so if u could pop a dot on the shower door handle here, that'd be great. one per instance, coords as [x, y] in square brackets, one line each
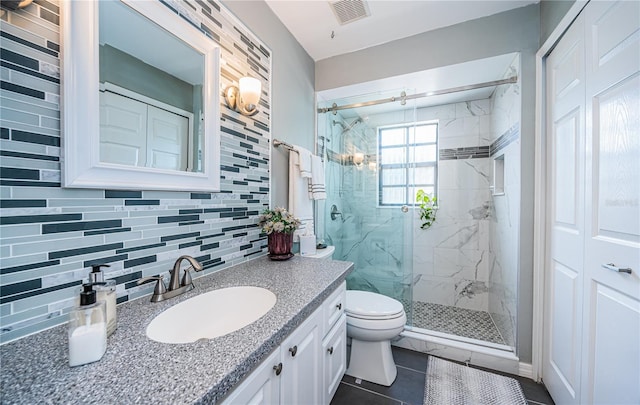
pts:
[405, 209]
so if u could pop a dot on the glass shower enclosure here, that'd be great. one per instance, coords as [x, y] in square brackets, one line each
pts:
[367, 214]
[458, 279]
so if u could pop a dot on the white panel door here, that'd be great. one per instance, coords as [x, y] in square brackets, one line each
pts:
[123, 130]
[167, 135]
[565, 222]
[611, 347]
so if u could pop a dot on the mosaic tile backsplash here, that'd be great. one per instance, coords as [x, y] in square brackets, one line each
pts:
[50, 235]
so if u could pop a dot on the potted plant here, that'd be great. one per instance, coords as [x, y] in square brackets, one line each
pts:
[279, 226]
[428, 208]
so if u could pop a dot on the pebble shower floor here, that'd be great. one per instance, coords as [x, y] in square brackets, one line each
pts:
[456, 321]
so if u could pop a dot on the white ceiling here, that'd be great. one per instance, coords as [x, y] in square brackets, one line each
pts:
[312, 21]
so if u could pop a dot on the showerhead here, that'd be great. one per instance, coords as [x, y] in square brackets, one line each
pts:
[339, 123]
[345, 128]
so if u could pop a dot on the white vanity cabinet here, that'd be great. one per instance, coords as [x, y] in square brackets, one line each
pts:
[334, 342]
[301, 378]
[309, 364]
[262, 386]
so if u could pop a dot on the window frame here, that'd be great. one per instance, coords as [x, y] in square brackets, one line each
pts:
[409, 187]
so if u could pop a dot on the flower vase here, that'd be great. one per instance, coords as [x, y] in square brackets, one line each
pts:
[280, 245]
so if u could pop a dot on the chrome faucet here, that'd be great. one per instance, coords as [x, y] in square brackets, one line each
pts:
[176, 286]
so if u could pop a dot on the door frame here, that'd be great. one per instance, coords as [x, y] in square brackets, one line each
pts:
[540, 231]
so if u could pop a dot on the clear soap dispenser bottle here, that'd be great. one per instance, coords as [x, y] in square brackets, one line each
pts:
[106, 290]
[87, 329]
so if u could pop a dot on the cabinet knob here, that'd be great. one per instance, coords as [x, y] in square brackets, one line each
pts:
[339, 306]
[330, 350]
[293, 351]
[278, 368]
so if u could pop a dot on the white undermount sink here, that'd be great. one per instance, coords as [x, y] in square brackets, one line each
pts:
[212, 314]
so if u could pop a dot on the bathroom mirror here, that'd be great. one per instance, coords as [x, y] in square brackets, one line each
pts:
[140, 98]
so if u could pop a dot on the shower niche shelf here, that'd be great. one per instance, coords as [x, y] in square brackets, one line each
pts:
[498, 176]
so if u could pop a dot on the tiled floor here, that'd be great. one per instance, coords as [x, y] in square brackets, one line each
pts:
[408, 389]
[456, 321]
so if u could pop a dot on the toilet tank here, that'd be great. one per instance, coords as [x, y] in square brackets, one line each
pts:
[325, 253]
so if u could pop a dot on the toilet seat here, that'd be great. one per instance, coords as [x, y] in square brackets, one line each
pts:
[379, 325]
[371, 306]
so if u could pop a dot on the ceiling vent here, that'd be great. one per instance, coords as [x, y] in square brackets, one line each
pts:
[348, 11]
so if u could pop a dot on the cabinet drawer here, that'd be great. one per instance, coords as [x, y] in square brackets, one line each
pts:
[333, 308]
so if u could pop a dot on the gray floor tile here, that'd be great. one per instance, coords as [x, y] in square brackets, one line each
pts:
[410, 359]
[349, 395]
[408, 386]
[534, 391]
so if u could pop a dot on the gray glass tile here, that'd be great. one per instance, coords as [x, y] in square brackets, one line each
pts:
[32, 328]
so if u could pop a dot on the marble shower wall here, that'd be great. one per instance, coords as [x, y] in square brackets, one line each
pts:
[451, 258]
[504, 225]
[446, 264]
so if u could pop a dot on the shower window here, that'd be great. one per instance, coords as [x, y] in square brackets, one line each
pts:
[408, 161]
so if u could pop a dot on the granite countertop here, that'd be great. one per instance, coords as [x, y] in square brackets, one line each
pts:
[135, 369]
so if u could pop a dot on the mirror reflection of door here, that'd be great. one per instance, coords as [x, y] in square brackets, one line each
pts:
[136, 133]
[151, 93]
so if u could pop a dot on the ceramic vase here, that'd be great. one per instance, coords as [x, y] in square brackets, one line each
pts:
[280, 245]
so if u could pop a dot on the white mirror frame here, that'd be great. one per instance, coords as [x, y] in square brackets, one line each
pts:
[81, 107]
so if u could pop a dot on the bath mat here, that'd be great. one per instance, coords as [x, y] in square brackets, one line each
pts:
[455, 384]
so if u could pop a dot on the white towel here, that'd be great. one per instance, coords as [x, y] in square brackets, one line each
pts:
[299, 203]
[304, 161]
[316, 183]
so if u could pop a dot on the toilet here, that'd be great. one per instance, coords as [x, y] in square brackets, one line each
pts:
[372, 321]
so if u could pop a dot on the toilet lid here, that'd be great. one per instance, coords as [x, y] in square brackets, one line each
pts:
[368, 305]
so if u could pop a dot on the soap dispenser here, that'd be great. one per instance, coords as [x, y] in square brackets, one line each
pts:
[87, 329]
[106, 290]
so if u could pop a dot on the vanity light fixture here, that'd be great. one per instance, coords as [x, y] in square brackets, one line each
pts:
[245, 98]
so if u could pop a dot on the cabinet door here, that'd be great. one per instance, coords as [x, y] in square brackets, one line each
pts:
[301, 363]
[334, 358]
[262, 387]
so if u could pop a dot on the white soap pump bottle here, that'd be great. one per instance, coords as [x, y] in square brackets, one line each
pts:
[87, 329]
[106, 290]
